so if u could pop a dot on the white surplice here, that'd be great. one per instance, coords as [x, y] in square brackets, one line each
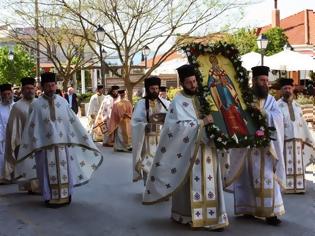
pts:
[103, 118]
[94, 106]
[187, 167]
[144, 142]
[256, 175]
[299, 144]
[65, 155]
[4, 116]
[16, 124]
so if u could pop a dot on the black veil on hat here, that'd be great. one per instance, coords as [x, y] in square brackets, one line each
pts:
[4, 87]
[185, 71]
[47, 77]
[28, 81]
[260, 70]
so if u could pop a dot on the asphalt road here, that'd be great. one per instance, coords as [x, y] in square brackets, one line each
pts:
[111, 205]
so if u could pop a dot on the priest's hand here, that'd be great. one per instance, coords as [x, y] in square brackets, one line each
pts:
[208, 120]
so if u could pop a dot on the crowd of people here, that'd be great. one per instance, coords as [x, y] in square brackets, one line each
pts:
[45, 148]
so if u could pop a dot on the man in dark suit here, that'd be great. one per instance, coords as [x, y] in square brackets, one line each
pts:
[71, 97]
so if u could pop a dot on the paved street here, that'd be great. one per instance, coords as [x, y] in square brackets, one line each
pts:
[111, 205]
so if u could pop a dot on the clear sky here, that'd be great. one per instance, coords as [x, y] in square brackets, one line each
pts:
[260, 14]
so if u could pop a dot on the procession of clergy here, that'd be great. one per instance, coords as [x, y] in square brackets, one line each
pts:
[45, 149]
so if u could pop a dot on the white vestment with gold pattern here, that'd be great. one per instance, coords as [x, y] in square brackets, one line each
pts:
[101, 124]
[145, 137]
[299, 152]
[4, 116]
[94, 106]
[187, 167]
[16, 124]
[256, 175]
[65, 154]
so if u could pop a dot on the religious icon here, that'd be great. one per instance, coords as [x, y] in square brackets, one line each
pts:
[225, 98]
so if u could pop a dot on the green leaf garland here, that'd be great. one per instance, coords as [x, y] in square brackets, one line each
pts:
[262, 135]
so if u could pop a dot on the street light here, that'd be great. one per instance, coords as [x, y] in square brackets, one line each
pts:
[262, 42]
[100, 36]
[11, 56]
[145, 53]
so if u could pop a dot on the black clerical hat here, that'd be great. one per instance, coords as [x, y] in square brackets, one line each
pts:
[152, 80]
[115, 87]
[4, 87]
[100, 86]
[28, 81]
[260, 70]
[185, 71]
[47, 77]
[285, 81]
[121, 90]
[163, 89]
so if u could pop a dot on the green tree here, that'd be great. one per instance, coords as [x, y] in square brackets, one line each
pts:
[172, 92]
[11, 71]
[244, 39]
[276, 40]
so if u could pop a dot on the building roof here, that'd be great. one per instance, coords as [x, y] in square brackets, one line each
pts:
[185, 40]
[300, 28]
[173, 55]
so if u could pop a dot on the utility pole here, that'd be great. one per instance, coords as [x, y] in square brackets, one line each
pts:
[37, 41]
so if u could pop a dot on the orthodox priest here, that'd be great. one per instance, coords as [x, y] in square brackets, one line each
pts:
[101, 125]
[94, 106]
[147, 120]
[15, 127]
[163, 92]
[5, 107]
[256, 175]
[119, 125]
[55, 147]
[298, 141]
[186, 164]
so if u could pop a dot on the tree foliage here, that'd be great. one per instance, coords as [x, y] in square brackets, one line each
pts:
[171, 93]
[244, 39]
[56, 35]
[132, 24]
[21, 66]
[276, 40]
